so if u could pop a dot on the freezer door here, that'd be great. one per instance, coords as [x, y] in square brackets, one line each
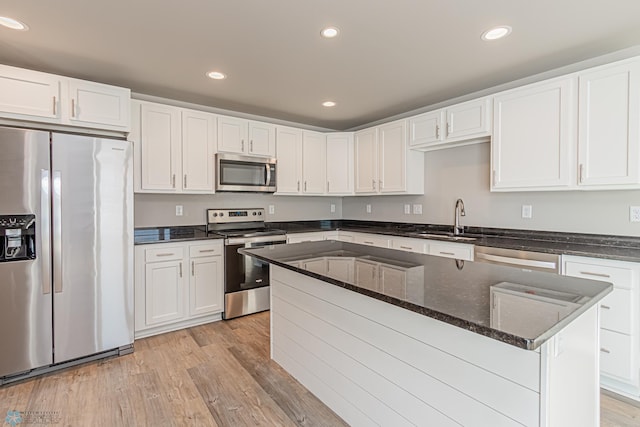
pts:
[25, 286]
[93, 245]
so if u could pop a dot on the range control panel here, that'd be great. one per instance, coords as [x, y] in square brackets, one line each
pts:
[17, 237]
[220, 216]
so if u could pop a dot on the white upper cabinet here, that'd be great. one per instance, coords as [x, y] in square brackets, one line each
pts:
[460, 124]
[383, 163]
[47, 98]
[609, 120]
[174, 149]
[534, 133]
[198, 149]
[242, 136]
[314, 158]
[339, 163]
[289, 160]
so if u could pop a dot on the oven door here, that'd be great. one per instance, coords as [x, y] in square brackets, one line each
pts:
[243, 272]
[244, 173]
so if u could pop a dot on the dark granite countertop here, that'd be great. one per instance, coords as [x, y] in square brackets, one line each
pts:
[452, 291]
[623, 248]
[172, 234]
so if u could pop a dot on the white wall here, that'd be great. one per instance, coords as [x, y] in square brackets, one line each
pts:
[464, 172]
[153, 210]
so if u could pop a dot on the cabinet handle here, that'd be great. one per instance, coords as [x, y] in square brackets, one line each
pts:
[173, 180]
[305, 186]
[406, 247]
[368, 243]
[73, 107]
[448, 129]
[180, 269]
[374, 184]
[54, 105]
[446, 253]
[298, 185]
[327, 186]
[587, 273]
[605, 307]
[165, 254]
[437, 132]
[193, 268]
[380, 185]
[251, 146]
[581, 172]
[242, 143]
[493, 178]
[185, 181]
[604, 350]
[204, 251]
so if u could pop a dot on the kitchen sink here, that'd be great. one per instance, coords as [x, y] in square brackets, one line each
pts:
[444, 235]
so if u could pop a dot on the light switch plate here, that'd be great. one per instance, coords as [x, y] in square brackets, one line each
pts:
[527, 211]
[407, 209]
[368, 208]
[417, 209]
[179, 210]
[634, 213]
[333, 208]
[272, 209]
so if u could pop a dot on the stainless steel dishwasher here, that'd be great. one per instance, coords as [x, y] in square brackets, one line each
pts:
[538, 261]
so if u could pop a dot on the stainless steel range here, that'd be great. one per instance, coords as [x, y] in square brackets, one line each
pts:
[246, 279]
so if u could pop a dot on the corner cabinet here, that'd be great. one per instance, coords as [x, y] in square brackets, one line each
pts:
[174, 149]
[383, 164]
[40, 97]
[177, 285]
[457, 125]
[619, 320]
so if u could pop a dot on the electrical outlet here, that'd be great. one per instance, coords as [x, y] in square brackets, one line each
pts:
[634, 213]
[272, 209]
[333, 208]
[407, 209]
[178, 210]
[527, 211]
[417, 209]
[368, 208]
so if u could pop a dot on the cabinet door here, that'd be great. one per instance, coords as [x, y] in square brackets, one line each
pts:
[262, 139]
[340, 268]
[313, 163]
[160, 147]
[533, 136]
[393, 281]
[468, 120]
[164, 292]
[289, 160]
[366, 275]
[426, 129]
[198, 148]
[205, 286]
[232, 135]
[609, 136]
[95, 104]
[392, 160]
[29, 94]
[339, 163]
[366, 164]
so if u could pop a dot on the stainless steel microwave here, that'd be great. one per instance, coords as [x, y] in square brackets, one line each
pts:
[245, 173]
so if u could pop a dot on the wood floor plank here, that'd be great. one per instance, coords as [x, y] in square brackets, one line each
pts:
[215, 375]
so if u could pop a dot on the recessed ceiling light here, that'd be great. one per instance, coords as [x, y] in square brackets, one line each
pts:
[13, 24]
[496, 33]
[329, 32]
[328, 104]
[216, 75]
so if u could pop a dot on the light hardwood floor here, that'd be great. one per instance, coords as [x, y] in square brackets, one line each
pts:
[218, 374]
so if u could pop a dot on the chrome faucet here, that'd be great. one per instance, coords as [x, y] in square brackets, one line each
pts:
[457, 228]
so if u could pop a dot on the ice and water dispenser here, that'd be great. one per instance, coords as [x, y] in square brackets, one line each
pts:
[17, 237]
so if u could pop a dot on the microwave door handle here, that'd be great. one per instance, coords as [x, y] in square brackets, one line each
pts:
[268, 167]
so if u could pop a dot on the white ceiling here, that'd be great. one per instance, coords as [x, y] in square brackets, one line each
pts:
[392, 56]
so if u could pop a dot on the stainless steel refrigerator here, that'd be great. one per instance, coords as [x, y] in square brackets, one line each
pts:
[66, 250]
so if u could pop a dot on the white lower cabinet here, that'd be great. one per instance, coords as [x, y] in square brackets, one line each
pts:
[314, 236]
[619, 320]
[461, 251]
[177, 285]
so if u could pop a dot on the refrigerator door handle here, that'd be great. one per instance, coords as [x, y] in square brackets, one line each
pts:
[45, 231]
[57, 232]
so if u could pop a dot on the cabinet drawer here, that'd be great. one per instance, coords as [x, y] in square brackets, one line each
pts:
[616, 311]
[197, 251]
[163, 254]
[409, 245]
[371, 240]
[448, 250]
[616, 354]
[620, 277]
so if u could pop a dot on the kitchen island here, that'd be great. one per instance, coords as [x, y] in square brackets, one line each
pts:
[392, 338]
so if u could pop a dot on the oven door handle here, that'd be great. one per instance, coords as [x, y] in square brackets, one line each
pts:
[257, 239]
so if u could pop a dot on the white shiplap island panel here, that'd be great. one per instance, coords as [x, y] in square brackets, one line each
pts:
[375, 363]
